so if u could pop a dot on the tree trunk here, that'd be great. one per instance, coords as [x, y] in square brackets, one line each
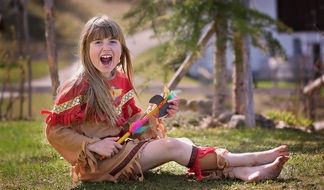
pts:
[185, 66]
[313, 97]
[248, 83]
[316, 84]
[11, 98]
[220, 73]
[238, 76]
[21, 89]
[20, 47]
[3, 89]
[27, 55]
[6, 87]
[51, 44]
[242, 80]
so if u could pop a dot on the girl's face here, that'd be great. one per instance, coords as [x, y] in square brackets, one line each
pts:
[105, 55]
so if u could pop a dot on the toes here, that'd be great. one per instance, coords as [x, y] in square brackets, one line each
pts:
[285, 158]
[283, 150]
[283, 153]
[282, 159]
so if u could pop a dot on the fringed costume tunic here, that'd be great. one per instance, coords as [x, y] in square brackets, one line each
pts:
[69, 132]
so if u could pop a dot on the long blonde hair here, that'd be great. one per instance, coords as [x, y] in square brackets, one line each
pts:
[98, 97]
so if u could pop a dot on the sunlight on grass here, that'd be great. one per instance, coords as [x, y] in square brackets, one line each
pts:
[289, 118]
[28, 162]
[280, 84]
[26, 159]
[40, 101]
[39, 69]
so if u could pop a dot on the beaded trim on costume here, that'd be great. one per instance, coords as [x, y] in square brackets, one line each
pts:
[68, 104]
[129, 95]
[80, 100]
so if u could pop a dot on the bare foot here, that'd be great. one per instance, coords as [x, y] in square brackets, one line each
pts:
[256, 158]
[257, 173]
[269, 156]
[268, 171]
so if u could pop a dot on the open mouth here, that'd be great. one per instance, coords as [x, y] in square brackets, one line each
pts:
[106, 59]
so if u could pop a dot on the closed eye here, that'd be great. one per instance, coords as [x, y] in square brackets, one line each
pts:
[98, 42]
[113, 41]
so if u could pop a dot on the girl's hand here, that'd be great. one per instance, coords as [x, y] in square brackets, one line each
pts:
[173, 107]
[107, 147]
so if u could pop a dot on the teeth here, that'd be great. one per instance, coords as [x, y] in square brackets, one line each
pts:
[106, 56]
[106, 59]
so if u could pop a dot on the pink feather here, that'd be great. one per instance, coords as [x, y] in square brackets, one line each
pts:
[137, 125]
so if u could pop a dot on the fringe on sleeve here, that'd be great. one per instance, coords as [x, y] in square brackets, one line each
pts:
[86, 161]
[69, 107]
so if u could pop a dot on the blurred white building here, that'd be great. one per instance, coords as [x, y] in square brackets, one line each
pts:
[303, 47]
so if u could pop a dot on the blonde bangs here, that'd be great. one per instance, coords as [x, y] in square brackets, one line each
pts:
[103, 30]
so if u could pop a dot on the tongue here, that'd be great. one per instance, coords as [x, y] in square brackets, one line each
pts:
[105, 61]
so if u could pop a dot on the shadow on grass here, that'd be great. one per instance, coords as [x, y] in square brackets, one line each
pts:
[289, 180]
[38, 159]
[306, 148]
[167, 180]
[298, 141]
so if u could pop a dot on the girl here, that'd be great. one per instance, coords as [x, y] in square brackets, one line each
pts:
[92, 110]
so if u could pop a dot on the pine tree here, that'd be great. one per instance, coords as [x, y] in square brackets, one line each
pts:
[185, 24]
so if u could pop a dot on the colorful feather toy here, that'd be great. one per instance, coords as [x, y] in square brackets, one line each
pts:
[158, 108]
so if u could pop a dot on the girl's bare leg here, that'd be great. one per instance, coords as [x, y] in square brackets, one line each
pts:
[255, 158]
[267, 166]
[165, 150]
[257, 173]
[244, 159]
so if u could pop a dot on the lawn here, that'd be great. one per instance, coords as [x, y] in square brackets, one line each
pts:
[28, 162]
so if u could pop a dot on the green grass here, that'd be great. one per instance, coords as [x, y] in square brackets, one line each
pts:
[280, 84]
[39, 69]
[28, 162]
[289, 118]
[40, 101]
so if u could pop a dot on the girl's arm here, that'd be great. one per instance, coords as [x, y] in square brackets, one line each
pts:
[69, 144]
[72, 145]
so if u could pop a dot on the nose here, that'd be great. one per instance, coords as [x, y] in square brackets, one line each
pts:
[106, 46]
